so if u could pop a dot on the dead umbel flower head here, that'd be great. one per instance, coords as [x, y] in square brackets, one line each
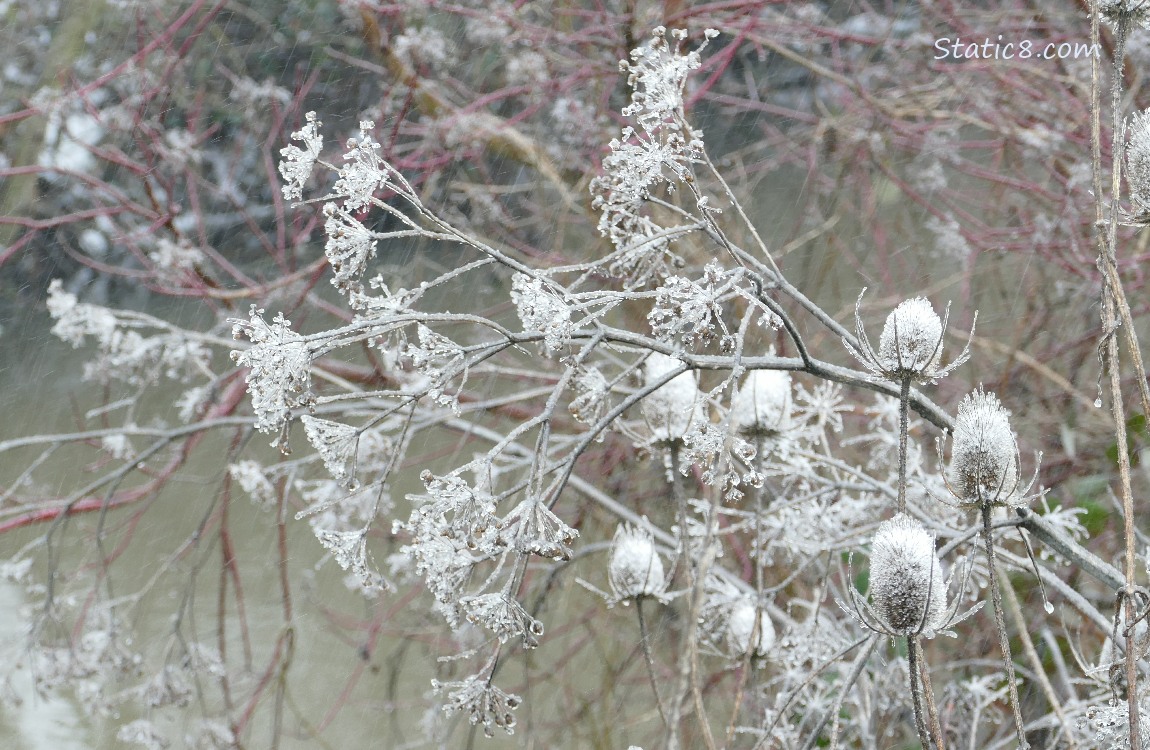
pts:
[907, 589]
[984, 459]
[910, 347]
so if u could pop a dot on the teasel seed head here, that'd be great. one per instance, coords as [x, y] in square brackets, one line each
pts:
[907, 587]
[984, 457]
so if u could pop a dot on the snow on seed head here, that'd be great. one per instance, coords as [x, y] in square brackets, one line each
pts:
[984, 459]
[741, 625]
[911, 341]
[763, 405]
[1138, 160]
[674, 406]
[635, 568]
[906, 583]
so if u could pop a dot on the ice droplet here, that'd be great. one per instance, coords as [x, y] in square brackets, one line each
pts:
[1049, 608]
[1098, 403]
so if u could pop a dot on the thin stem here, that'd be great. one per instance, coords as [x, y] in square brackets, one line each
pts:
[903, 403]
[1114, 305]
[1011, 600]
[934, 725]
[1000, 623]
[644, 635]
[916, 691]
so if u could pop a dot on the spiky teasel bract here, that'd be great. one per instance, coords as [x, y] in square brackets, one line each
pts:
[1122, 15]
[910, 347]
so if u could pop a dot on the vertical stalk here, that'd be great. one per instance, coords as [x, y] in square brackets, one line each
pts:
[903, 421]
[916, 691]
[1114, 305]
[644, 636]
[933, 724]
[1000, 623]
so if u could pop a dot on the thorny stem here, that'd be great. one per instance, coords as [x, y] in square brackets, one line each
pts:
[912, 657]
[903, 403]
[1000, 623]
[931, 707]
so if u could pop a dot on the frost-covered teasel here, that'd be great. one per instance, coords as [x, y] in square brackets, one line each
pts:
[1124, 14]
[741, 628]
[674, 407]
[635, 568]
[762, 407]
[907, 588]
[984, 464]
[910, 347]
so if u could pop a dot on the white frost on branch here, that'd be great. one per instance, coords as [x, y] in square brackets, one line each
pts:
[659, 151]
[363, 173]
[350, 245]
[484, 704]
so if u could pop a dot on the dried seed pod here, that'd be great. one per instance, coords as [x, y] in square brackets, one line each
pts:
[984, 459]
[741, 624]
[635, 568]
[910, 347]
[911, 341]
[675, 406]
[1138, 160]
[763, 405]
[906, 583]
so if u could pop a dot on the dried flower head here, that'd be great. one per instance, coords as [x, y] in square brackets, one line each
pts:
[763, 405]
[984, 460]
[906, 583]
[741, 627]
[1138, 161]
[635, 568]
[673, 407]
[910, 347]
